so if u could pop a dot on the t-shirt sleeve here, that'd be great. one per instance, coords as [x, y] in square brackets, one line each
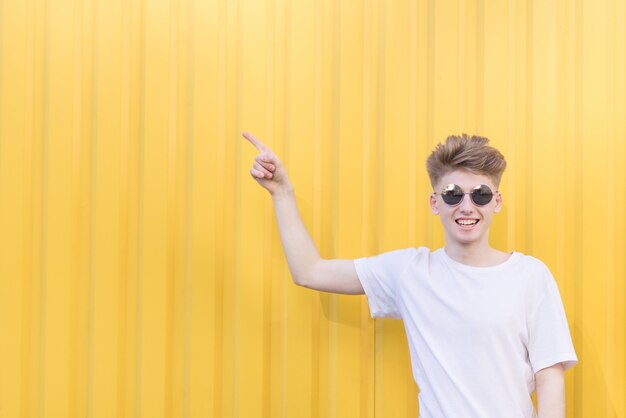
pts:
[549, 340]
[379, 276]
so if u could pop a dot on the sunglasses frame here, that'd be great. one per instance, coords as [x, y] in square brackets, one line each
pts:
[475, 189]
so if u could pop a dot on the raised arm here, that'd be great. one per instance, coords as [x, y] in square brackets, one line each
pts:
[307, 268]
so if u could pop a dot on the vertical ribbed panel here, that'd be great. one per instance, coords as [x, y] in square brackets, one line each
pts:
[141, 270]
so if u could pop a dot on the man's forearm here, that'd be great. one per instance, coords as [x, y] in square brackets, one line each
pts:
[298, 246]
[550, 392]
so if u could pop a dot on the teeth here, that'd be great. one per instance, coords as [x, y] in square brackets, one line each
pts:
[466, 221]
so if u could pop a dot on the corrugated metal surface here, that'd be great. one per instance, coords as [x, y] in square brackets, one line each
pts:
[141, 272]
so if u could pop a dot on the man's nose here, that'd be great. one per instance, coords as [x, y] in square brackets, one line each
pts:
[466, 203]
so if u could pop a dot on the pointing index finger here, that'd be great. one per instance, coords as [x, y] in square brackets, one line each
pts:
[258, 144]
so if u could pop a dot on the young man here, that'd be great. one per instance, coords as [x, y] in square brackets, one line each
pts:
[485, 328]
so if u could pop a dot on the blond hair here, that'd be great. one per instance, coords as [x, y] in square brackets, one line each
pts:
[463, 152]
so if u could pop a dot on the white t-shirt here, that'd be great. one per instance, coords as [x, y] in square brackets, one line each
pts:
[476, 335]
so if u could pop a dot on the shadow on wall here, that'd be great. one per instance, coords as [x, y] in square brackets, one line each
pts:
[342, 309]
[594, 377]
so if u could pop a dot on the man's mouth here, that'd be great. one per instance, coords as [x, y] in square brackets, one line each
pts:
[467, 223]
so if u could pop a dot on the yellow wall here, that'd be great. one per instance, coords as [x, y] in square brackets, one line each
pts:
[141, 272]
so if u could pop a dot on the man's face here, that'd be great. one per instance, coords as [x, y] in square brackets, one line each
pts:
[477, 219]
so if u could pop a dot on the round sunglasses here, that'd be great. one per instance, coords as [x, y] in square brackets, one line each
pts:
[452, 194]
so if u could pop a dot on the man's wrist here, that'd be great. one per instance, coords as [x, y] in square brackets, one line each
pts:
[285, 192]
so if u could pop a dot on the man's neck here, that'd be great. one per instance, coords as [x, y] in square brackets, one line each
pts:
[478, 254]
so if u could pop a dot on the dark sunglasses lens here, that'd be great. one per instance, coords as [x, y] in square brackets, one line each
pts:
[482, 195]
[452, 194]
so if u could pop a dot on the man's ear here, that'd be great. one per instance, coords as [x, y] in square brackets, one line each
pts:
[433, 204]
[498, 203]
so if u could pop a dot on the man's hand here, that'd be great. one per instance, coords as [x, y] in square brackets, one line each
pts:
[267, 169]
[550, 389]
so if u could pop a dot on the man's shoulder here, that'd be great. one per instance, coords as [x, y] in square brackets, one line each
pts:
[532, 261]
